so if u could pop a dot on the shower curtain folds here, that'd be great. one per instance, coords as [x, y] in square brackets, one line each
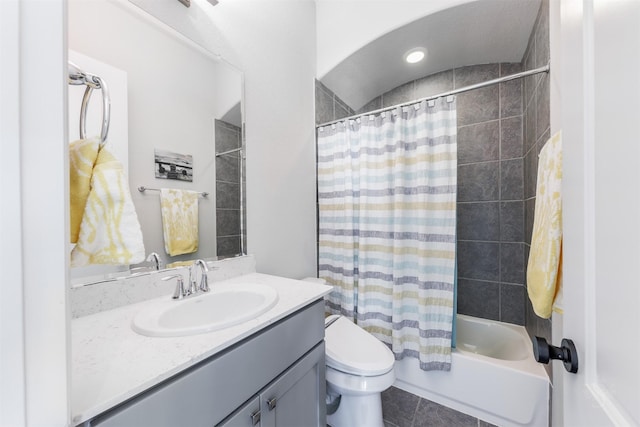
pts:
[387, 214]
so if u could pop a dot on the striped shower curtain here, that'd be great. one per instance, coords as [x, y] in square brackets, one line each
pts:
[387, 221]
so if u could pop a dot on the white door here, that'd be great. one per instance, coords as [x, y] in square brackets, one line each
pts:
[601, 140]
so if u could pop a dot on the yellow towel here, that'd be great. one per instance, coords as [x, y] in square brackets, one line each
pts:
[180, 264]
[179, 220]
[544, 271]
[104, 224]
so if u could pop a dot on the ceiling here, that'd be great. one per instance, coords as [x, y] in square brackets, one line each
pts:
[480, 32]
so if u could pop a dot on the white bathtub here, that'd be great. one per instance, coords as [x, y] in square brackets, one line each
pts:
[493, 376]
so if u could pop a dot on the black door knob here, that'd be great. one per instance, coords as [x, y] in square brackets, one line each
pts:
[567, 352]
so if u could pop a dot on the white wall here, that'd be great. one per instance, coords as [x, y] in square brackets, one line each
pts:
[341, 31]
[34, 346]
[274, 44]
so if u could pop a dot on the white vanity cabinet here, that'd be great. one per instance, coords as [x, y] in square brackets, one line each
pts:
[274, 377]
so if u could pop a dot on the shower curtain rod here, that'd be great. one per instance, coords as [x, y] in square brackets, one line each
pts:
[543, 69]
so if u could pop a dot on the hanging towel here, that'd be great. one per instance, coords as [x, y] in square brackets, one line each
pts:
[104, 224]
[179, 220]
[544, 271]
[180, 264]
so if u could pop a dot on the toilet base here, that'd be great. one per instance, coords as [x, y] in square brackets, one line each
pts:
[358, 410]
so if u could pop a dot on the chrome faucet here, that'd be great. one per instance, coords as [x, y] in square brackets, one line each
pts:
[180, 291]
[155, 258]
[204, 281]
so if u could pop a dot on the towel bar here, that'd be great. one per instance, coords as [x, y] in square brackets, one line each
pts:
[142, 189]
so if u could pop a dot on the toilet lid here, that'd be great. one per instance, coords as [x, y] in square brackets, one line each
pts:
[352, 350]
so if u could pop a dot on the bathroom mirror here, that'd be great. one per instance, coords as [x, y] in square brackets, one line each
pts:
[181, 98]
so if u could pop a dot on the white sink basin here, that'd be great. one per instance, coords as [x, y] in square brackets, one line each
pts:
[217, 309]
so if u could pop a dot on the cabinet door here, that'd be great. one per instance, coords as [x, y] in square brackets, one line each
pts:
[247, 416]
[297, 398]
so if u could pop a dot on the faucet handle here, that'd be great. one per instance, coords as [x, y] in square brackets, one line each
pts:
[180, 291]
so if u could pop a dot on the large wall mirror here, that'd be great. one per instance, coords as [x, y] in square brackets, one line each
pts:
[169, 94]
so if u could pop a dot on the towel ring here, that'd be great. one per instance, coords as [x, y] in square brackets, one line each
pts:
[79, 77]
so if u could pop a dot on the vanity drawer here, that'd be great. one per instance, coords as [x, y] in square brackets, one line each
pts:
[208, 392]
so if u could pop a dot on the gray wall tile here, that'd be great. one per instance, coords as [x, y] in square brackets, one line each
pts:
[510, 92]
[228, 246]
[478, 182]
[508, 68]
[511, 179]
[479, 221]
[228, 168]
[530, 122]
[374, 104]
[511, 98]
[227, 222]
[511, 141]
[479, 299]
[479, 260]
[530, 173]
[227, 195]
[478, 105]
[434, 84]
[512, 303]
[329, 106]
[481, 104]
[324, 105]
[473, 74]
[404, 93]
[512, 221]
[529, 212]
[479, 142]
[543, 106]
[340, 111]
[512, 264]
[227, 136]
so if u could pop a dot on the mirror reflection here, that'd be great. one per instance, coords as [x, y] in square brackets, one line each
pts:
[168, 95]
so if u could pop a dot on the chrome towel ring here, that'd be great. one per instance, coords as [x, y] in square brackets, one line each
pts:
[91, 81]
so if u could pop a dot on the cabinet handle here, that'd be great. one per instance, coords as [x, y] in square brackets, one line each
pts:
[255, 418]
[272, 403]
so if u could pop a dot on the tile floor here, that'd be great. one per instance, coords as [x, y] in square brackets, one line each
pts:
[403, 409]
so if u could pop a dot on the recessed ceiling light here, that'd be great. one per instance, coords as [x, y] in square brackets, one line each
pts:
[415, 55]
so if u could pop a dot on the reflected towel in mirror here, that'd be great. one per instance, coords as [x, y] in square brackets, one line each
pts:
[179, 220]
[104, 223]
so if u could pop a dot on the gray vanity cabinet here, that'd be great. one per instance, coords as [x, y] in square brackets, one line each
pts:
[289, 401]
[272, 378]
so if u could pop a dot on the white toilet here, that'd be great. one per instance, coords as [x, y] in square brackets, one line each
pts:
[359, 368]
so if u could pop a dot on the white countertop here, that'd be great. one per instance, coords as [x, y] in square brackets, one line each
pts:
[111, 363]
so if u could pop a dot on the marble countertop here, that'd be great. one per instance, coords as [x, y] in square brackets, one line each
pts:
[111, 363]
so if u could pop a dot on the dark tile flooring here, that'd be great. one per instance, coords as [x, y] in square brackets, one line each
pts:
[403, 409]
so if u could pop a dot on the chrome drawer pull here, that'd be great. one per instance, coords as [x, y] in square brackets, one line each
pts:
[272, 404]
[255, 418]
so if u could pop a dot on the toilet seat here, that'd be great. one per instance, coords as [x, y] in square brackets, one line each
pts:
[352, 350]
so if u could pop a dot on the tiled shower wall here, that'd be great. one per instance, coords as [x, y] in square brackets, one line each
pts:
[228, 189]
[490, 183]
[536, 133]
[329, 106]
